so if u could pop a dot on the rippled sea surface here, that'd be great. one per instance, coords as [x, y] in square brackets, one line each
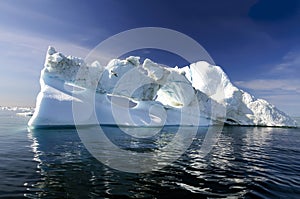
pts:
[246, 162]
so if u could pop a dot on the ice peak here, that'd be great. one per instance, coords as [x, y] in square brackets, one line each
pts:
[51, 50]
[154, 70]
[134, 60]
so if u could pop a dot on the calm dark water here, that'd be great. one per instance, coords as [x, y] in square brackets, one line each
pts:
[244, 163]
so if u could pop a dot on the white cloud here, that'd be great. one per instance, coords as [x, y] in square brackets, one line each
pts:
[290, 64]
[37, 43]
[292, 85]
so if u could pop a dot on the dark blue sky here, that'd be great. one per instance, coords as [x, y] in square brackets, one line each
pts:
[255, 41]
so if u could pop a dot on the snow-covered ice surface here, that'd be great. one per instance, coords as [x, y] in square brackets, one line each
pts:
[153, 95]
[242, 108]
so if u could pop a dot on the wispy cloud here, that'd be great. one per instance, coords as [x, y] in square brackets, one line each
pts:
[292, 85]
[49, 20]
[37, 43]
[290, 63]
[26, 11]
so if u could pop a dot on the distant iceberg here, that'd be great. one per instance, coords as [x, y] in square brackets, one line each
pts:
[167, 96]
[21, 111]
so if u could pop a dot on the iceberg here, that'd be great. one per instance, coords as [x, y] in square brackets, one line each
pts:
[20, 111]
[130, 93]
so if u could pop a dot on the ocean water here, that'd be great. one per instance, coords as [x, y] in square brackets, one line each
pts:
[246, 162]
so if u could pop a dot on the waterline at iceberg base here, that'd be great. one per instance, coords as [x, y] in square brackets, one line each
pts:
[130, 93]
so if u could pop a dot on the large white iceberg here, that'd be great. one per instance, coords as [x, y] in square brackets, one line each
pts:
[130, 93]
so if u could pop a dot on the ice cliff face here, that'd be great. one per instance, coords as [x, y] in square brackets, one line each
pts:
[199, 94]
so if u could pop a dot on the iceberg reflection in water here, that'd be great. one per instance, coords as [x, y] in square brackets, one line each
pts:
[245, 161]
